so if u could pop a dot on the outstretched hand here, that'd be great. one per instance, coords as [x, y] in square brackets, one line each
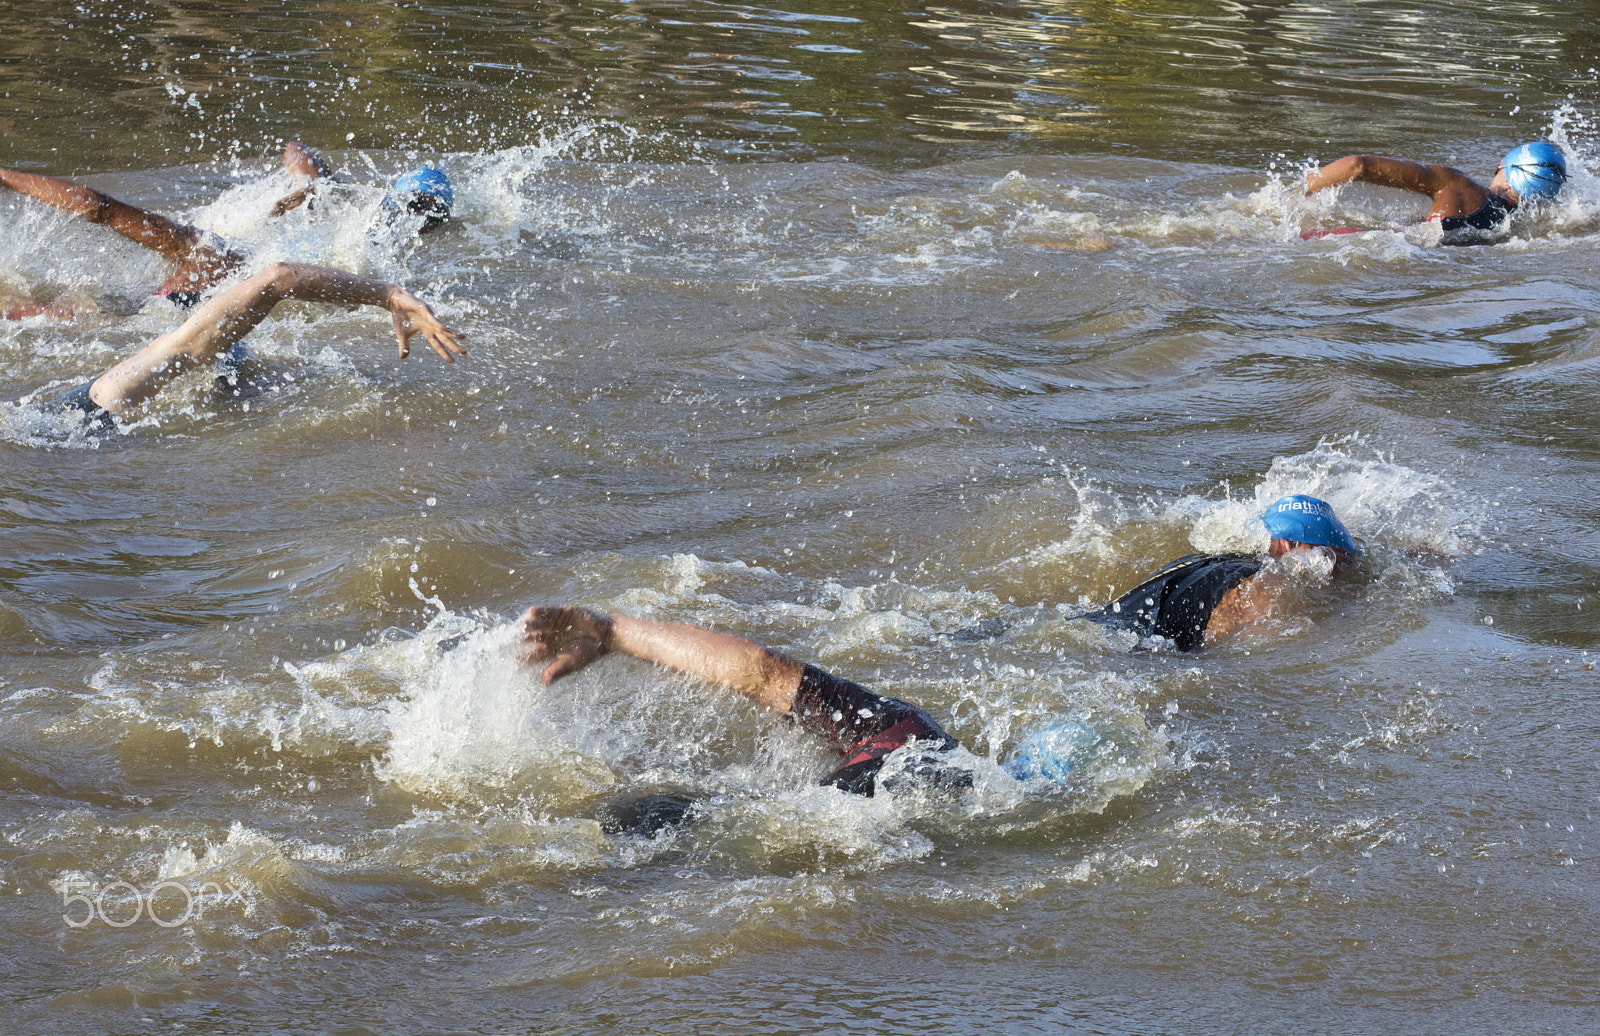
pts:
[570, 638]
[412, 316]
[290, 202]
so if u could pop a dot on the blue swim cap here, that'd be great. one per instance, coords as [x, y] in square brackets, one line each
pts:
[1305, 519]
[430, 182]
[1535, 171]
[1052, 752]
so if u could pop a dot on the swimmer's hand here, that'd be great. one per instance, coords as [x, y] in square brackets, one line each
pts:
[412, 316]
[570, 638]
[290, 202]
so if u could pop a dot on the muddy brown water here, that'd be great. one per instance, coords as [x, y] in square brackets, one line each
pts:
[842, 328]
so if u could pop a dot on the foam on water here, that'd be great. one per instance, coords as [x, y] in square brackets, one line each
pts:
[474, 726]
[1380, 501]
[1383, 503]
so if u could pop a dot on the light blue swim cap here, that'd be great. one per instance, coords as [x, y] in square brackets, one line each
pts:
[1535, 171]
[1305, 519]
[430, 182]
[1052, 752]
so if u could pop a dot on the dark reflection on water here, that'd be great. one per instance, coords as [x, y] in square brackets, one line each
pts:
[92, 86]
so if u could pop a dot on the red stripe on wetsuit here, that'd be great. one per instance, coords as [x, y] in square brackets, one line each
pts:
[863, 726]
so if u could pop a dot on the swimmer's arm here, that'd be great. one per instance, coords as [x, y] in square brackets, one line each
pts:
[74, 198]
[324, 284]
[1454, 193]
[170, 239]
[1255, 600]
[300, 160]
[229, 315]
[571, 638]
[1383, 172]
[290, 202]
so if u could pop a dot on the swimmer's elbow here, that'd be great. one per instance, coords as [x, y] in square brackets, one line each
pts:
[285, 277]
[1357, 168]
[282, 271]
[275, 282]
[98, 207]
[1337, 173]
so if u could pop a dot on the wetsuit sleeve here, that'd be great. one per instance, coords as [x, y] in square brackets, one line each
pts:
[96, 415]
[1177, 601]
[864, 727]
[1486, 226]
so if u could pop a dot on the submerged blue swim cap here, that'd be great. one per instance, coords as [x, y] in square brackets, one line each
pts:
[1052, 752]
[1535, 171]
[1305, 519]
[430, 182]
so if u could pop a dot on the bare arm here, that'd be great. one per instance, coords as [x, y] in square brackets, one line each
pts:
[229, 315]
[1255, 600]
[1373, 169]
[300, 160]
[1454, 193]
[303, 160]
[291, 201]
[174, 241]
[571, 638]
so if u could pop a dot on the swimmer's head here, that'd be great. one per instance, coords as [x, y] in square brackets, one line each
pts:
[424, 192]
[1298, 518]
[1536, 171]
[1053, 753]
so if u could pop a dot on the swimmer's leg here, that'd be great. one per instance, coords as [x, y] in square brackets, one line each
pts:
[998, 626]
[986, 629]
[70, 304]
[22, 309]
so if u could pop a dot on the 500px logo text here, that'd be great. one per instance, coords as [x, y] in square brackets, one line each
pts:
[119, 904]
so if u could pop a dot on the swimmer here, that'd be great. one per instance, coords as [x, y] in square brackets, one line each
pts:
[862, 726]
[217, 325]
[424, 191]
[1198, 599]
[1468, 212]
[204, 260]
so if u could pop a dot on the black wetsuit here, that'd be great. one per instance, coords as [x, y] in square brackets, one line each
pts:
[863, 726]
[1177, 601]
[181, 299]
[1482, 227]
[96, 415]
